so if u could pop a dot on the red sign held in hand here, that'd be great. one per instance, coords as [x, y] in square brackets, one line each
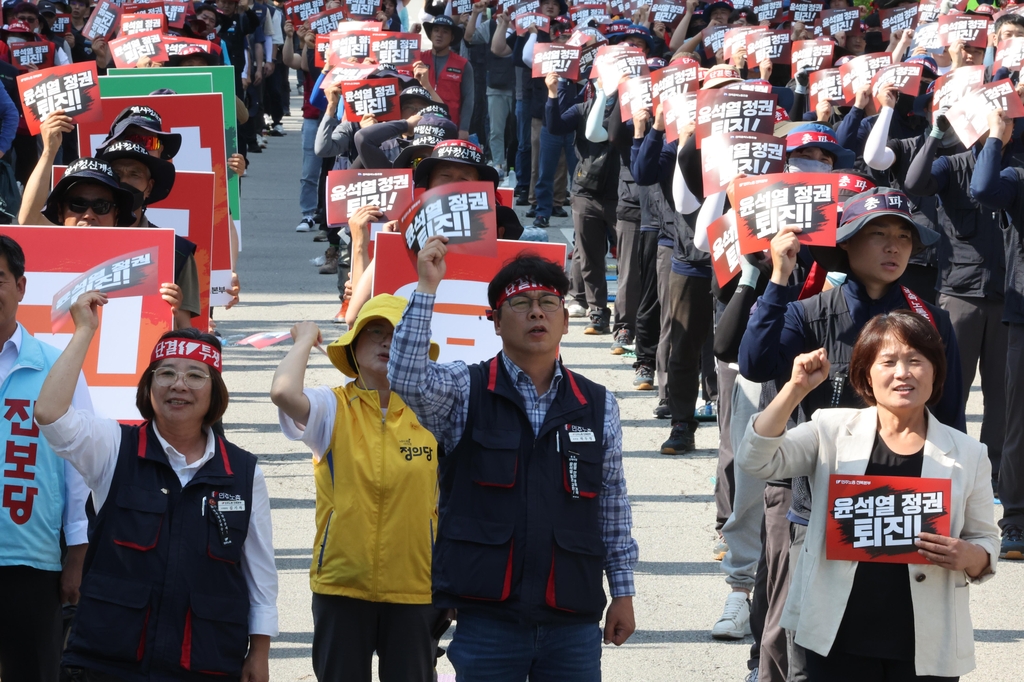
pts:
[72, 87]
[767, 203]
[461, 211]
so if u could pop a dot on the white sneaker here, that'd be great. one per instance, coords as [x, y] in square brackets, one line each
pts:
[262, 141]
[576, 310]
[305, 225]
[735, 620]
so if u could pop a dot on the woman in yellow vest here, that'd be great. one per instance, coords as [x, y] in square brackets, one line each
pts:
[376, 504]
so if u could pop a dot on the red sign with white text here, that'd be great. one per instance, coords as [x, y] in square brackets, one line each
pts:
[767, 203]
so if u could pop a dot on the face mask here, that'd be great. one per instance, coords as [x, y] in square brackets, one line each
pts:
[798, 165]
[14, 40]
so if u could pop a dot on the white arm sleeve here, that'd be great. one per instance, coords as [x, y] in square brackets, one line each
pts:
[596, 131]
[531, 42]
[709, 213]
[877, 154]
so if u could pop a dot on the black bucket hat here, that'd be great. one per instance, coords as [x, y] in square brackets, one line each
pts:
[861, 209]
[161, 170]
[98, 172]
[414, 91]
[150, 121]
[455, 151]
[445, 22]
[430, 131]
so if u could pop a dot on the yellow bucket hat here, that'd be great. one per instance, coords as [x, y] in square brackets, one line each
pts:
[382, 307]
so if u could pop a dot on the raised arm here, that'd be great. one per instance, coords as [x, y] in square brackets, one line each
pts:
[38, 186]
[289, 379]
[59, 387]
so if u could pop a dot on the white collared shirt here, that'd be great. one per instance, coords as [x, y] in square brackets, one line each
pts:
[76, 492]
[91, 444]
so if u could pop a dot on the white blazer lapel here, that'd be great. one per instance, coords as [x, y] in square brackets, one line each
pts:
[937, 444]
[853, 449]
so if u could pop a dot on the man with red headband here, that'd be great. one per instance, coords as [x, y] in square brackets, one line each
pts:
[532, 504]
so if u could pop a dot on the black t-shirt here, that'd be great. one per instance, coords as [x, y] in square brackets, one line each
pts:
[879, 617]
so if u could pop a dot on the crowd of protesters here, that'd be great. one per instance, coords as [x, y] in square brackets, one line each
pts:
[493, 494]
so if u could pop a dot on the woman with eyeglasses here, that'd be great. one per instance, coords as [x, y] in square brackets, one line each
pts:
[179, 579]
[375, 468]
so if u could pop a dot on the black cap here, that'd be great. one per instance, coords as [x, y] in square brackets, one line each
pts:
[147, 119]
[96, 171]
[455, 151]
[428, 132]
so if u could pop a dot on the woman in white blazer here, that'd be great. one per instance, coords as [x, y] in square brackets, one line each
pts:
[869, 620]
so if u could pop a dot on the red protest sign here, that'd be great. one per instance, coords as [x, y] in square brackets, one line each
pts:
[390, 190]
[736, 38]
[812, 55]
[727, 111]
[860, 71]
[300, 10]
[461, 211]
[898, 19]
[679, 109]
[726, 155]
[459, 324]
[129, 327]
[72, 87]
[551, 58]
[344, 46]
[955, 85]
[126, 275]
[771, 45]
[347, 72]
[725, 248]
[203, 152]
[970, 29]
[668, 12]
[833, 21]
[806, 12]
[361, 9]
[175, 44]
[38, 54]
[142, 8]
[377, 96]
[521, 8]
[525, 21]
[713, 40]
[767, 203]
[326, 21]
[768, 10]
[61, 24]
[634, 94]
[969, 116]
[615, 61]
[582, 13]
[877, 518]
[928, 12]
[175, 13]
[132, 24]
[682, 75]
[103, 21]
[826, 84]
[587, 35]
[906, 78]
[1009, 54]
[322, 46]
[129, 50]
[396, 49]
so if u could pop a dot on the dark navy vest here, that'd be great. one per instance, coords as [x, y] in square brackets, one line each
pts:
[163, 594]
[518, 533]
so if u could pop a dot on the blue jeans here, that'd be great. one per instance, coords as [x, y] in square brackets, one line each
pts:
[523, 161]
[310, 169]
[551, 148]
[490, 650]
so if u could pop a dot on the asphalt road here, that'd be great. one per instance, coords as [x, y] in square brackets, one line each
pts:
[680, 589]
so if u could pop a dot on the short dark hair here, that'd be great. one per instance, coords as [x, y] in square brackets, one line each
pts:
[218, 394]
[908, 328]
[1008, 19]
[11, 250]
[530, 266]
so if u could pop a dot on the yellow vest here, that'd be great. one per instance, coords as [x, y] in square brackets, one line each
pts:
[376, 503]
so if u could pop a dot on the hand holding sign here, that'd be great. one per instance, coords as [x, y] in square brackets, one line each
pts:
[463, 212]
[72, 89]
[766, 204]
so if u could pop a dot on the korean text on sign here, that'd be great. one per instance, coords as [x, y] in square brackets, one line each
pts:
[447, 216]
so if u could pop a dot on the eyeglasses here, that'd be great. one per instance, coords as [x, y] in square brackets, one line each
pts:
[378, 334]
[524, 304]
[79, 205]
[165, 376]
[29, 19]
[151, 143]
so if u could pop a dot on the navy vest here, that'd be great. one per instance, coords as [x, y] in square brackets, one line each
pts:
[518, 531]
[163, 594]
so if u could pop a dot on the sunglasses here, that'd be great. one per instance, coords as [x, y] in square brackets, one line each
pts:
[80, 206]
[151, 143]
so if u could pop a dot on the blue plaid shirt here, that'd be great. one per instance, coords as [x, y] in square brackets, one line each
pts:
[439, 395]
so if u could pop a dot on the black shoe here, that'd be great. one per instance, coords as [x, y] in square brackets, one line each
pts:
[644, 379]
[532, 213]
[662, 411]
[559, 212]
[679, 442]
[620, 340]
[1012, 545]
[254, 149]
[522, 200]
[540, 221]
[598, 323]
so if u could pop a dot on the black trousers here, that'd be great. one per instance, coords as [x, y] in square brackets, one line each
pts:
[648, 310]
[273, 92]
[30, 624]
[592, 220]
[842, 667]
[1011, 469]
[692, 312]
[346, 633]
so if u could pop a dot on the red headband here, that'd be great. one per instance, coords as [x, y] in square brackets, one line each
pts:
[520, 286]
[200, 351]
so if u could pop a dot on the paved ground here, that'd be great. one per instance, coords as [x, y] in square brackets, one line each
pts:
[680, 588]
